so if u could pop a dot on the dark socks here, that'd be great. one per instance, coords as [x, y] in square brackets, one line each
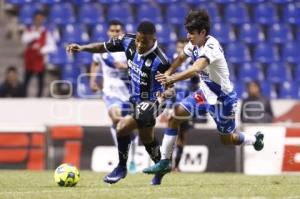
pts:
[153, 151]
[123, 148]
[179, 150]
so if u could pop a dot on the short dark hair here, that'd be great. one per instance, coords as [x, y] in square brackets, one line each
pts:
[115, 22]
[146, 27]
[197, 20]
[39, 12]
[182, 40]
[11, 69]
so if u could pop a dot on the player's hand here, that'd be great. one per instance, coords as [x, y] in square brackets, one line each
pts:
[71, 48]
[163, 79]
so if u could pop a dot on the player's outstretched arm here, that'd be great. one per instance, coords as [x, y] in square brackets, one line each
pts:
[198, 66]
[92, 48]
[176, 63]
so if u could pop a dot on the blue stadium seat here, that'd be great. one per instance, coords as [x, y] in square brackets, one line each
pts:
[18, 2]
[70, 72]
[237, 53]
[279, 33]
[236, 13]
[224, 1]
[265, 53]
[277, 72]
[182, 32]
[50, 2]
[267, 89]
[60, 57]
[109, 1]
[121, 12]
[291, 13]
[297, 73]
[84, 58]
[265, 13]
[249, 71]
[212, 10]
[170, 50]
[62, 14]
[90, 14]
[176, 13]
[223, 32]
[251, 33]
[289, 90]
[165, 33]
[254, 1]
[79, 2]
[99, 33]
[290, 52]
[282, 1]
[167, 2]
[26, 13]
[240, 89]
[149, 13]
[196, 2]
[75, 33]
[137, 2]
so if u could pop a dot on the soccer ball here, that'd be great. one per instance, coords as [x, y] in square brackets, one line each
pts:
[66, 175]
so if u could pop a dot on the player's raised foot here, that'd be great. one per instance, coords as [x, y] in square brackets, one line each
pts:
[117, 174]
[259, 143]
[156, 180]
[163, 166]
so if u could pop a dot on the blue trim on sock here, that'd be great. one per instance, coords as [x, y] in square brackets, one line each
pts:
[172, 132]
[241, 138]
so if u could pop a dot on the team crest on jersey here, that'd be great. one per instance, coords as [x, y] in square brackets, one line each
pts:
[148, 63]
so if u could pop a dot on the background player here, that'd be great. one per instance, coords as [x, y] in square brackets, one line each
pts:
[115, 83]
[215, 95]
[144, 59]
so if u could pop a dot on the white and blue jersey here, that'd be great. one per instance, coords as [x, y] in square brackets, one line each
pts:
[216, 94]
[115, 88]
[142, 68]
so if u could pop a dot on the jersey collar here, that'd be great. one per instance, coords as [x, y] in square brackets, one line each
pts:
[150, 51]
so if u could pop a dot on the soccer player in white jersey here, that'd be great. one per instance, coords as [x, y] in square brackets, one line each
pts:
[215, 95]
[115, 83]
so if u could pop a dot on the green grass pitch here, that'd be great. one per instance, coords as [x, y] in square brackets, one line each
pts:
[41, 185]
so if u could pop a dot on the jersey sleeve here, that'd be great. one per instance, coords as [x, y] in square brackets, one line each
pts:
[212, 51]
[188, 49]
[97, 58]
[163, 67]
[115, 44]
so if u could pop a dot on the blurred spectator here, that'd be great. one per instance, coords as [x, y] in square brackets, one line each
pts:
[11, 87]
[256, 108]
[39, 42]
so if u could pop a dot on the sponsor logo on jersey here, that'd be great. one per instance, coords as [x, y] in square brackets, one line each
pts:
[148, 63]
[136, 69]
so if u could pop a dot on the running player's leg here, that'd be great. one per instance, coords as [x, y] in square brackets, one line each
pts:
[224, 116]
[124, 128]
[114, 106]
[180, 143]
[151, 145]
[182, 112]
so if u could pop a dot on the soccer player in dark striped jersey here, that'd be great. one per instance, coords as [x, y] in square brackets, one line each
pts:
[145, 59]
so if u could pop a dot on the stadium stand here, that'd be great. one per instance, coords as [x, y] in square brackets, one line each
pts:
[260, 37]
